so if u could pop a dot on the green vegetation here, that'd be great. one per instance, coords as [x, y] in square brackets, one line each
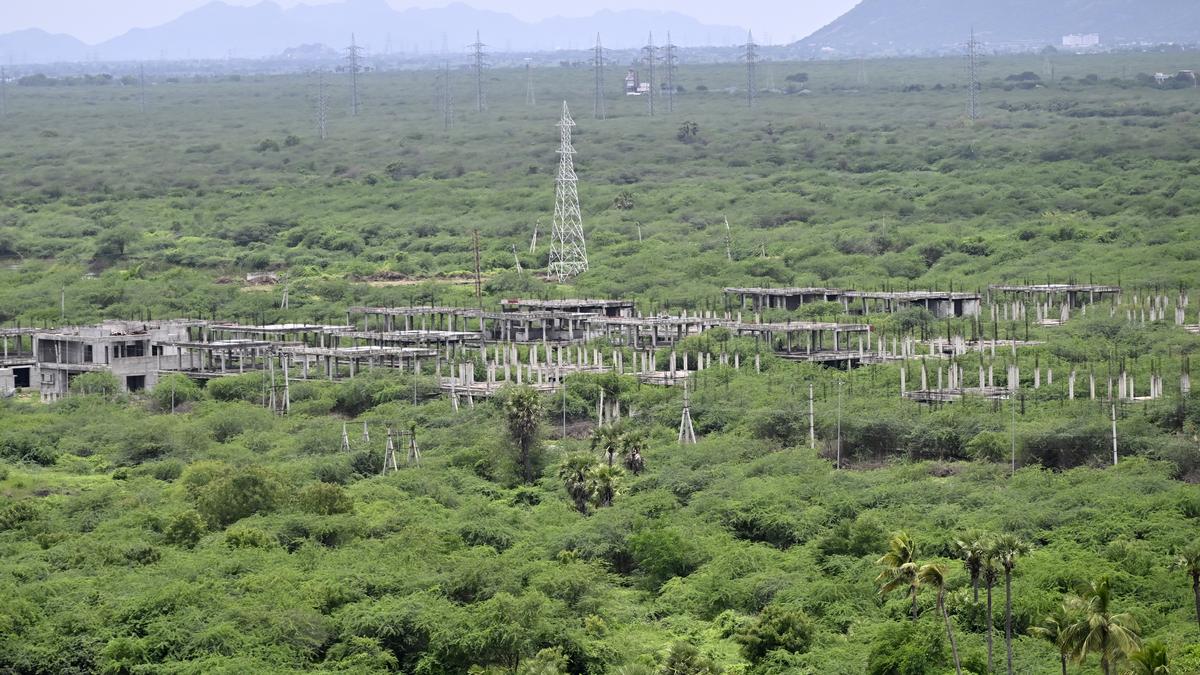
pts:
[188, 529]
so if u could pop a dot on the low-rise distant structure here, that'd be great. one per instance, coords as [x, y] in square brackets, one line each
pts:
[1081, 40]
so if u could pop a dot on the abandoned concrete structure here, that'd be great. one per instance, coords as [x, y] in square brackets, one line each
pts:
[942, 304]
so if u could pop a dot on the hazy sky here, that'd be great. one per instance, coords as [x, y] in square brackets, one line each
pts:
[97, 20]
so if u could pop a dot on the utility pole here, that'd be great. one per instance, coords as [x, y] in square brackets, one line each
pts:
[728, 241]
[812, 420]
[530, 97]
[598, 111]
[1114, 432]
[478, 66]
[670, 60]
[687, 433]
[533, 242]
[478, 278]
[1013, 430]
[751, 57]
[353, 55]
[517, 259]
[322, 107]
[839, 426]
[649, 57]
[568, 250]
[972, 78]
[142, 84]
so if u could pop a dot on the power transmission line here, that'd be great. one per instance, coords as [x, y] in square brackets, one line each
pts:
[669, 62]
[649, 56]
[751, 56]
[972, 78]
[568, 251]
[598, 110]
[478, 66]
[353, 55]
[322, 107]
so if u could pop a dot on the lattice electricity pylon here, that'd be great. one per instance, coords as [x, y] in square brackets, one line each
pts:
[598, 108]
[687, 433]
[345, 439]
[972, 78]
[568, 251]
[478, 65]
[751, 56]
[389, 455]
[389, 450]
[649, 56]
[670, 61]
[353, 64]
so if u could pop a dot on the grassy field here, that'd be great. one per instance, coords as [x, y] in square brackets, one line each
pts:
[216, 537]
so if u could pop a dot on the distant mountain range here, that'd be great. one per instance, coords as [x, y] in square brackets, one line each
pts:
[908, 26]
[218, 30]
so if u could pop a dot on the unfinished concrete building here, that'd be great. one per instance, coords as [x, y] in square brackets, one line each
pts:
[942, 304]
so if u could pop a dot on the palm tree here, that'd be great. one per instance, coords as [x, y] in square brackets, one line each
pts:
[1151, 659]
[607, 440]
[523, 415]
[1006, 549]
[935, 575]
[575, 473]
[603, 480]
[1101, 631]
[1056, 628]
[632, 445]
[1189, 561]
[971, 550]
[991, 574]
[900, 568]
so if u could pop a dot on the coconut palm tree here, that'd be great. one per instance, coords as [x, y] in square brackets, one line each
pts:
[971, 549]
[607, 439]
[523, 416]
[633, 443]
[1056, 628]
[991, 574]
[1100, 630]
[934, 575]
[1151, 659]
[1189, 561]
[900, 568]
[603, 480]
[1006, 549]
[575, 473]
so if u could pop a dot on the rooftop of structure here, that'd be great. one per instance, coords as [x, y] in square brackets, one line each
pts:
[789, 290]
[276, 328]
[216, 344]
[1054, 288]
[655, 320]
[366, 350]
[913, 295]
[799, 326]
[572, 302]
[403, 334]
[19, 332]
[414, 310]
[115, 329]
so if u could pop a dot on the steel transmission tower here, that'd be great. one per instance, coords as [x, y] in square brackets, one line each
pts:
[649, 56]
[3, 92]
[972, 78]
[353, 55]
[530, 97]
[751, 57]
[669, 62]
[598, 110]
[568, 252]
[322, 107]
[142, 84]
[478, 46]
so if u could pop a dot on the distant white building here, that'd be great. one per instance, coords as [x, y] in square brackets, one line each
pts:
[1081, 40]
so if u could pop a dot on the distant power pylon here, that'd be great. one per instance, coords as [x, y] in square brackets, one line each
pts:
[568, 251]
[353, 58]
[322, 110]
[142, 84]
[3, 92]
[973, 78]
[443, 100]
[649, 56]
[669, 62]
[687, 432]
[751, 56]
[478, 65]
[598, 110]
[530, 96]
